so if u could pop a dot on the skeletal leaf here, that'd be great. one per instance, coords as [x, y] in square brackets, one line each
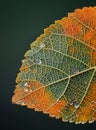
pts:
[58, 73]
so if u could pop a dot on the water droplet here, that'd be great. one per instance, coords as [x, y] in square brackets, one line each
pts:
[25, 90]
[30, 90]
[71, 102]
[94, 101]
[75, 70]
[25, 84]
[37, 61]
[85, 82]
[42, 45]
[76, 104]
[23, 60]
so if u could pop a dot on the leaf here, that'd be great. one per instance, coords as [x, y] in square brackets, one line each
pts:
[58, 74]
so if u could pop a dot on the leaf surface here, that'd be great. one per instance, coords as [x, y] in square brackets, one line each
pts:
[58, 73]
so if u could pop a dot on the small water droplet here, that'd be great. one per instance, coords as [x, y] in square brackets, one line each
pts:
[42, 45]
[37, 61]
[76, 104]
[59, 111]
[23, 60]
[75, 70]
[25, 90]
[85, 82]
[30, 90]
[25, 84]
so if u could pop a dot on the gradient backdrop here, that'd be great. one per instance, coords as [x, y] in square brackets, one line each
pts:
[20, 24]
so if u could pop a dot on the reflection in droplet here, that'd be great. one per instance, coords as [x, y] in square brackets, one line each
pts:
[42, 45]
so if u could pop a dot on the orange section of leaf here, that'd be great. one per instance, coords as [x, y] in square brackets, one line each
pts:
[46, 101]
[56, 109]
[88, 36]
[70, 27]
[33, 96]
[87, 16]
[84, 112]
[28, 95]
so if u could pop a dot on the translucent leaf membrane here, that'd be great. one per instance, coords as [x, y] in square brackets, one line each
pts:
[58, 73]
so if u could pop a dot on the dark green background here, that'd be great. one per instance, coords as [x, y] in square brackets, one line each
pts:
[20, 24]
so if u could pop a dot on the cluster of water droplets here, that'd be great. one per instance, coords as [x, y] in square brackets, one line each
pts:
[26, 88]
[38, 60]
